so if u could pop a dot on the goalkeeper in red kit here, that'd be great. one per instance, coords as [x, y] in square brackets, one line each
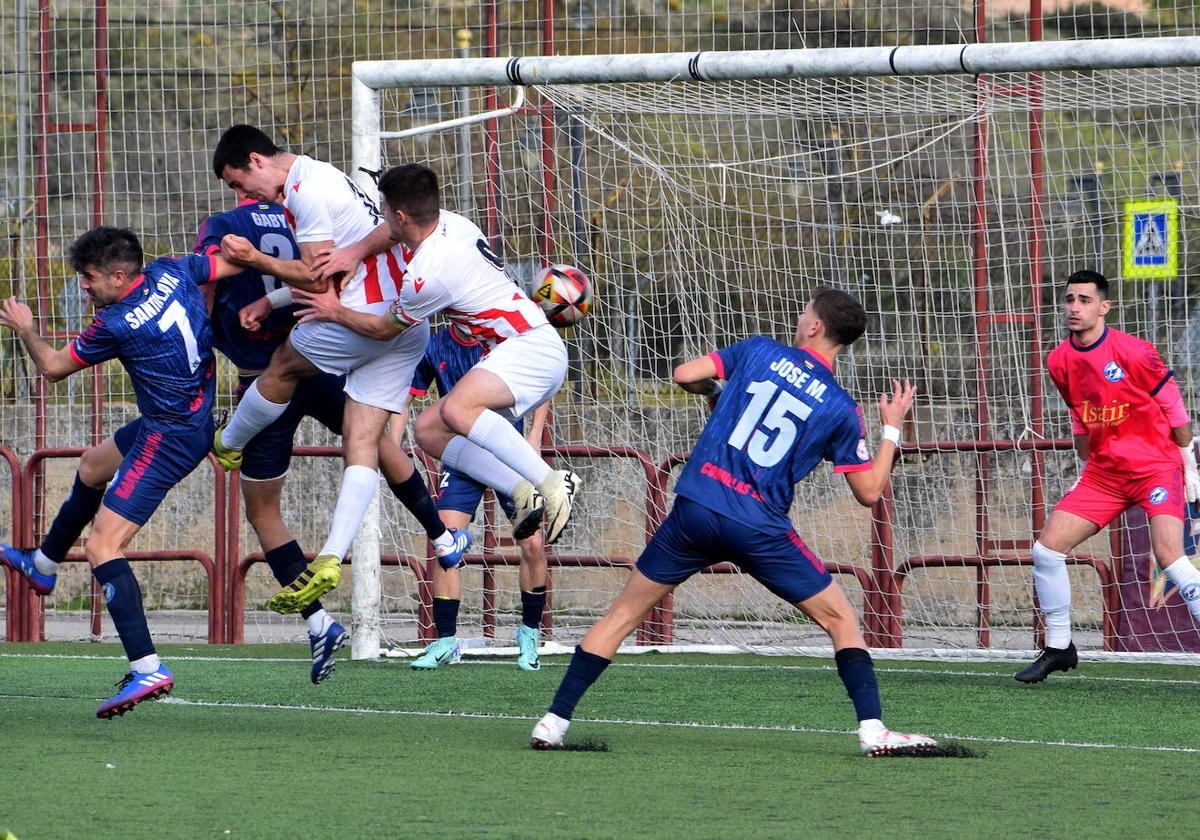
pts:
[1134, 436]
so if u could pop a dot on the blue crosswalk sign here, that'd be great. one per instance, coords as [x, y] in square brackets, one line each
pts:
[1151, 240]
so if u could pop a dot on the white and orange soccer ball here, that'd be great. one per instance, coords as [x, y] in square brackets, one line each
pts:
[564, 293]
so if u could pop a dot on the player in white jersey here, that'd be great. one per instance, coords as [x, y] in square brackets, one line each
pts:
[450, 268]
[326, 209]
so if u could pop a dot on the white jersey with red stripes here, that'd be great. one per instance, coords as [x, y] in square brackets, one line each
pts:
[325, 205]
[455, 271]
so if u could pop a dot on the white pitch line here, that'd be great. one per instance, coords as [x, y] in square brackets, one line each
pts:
[177, 701]
[946, 672]
[742, 727]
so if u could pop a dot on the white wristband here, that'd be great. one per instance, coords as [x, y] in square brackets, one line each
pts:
[280, 298]
[890, 433]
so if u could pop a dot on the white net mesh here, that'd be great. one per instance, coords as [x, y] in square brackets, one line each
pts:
[708, 212]
[695, 209]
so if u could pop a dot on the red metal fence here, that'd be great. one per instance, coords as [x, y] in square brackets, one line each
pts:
[882, 579]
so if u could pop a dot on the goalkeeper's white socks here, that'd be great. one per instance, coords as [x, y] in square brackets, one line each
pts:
[1185, 576]
[358, 488]
[500, 437]
[1054, 594]
[254, 413]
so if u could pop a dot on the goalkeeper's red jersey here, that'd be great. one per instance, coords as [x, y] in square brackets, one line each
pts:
[1109, 387]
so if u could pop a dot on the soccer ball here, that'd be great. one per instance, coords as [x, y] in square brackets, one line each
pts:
[564, 293]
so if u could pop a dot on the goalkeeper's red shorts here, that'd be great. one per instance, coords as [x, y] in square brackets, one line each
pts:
[1159, 495]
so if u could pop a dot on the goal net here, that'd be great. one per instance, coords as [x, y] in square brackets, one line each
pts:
[951, 205]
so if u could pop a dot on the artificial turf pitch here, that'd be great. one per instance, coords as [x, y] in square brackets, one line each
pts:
[699, 746]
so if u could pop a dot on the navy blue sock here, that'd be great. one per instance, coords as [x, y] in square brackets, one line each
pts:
[124, 598]
[858, 675]
[445, 616]
[585, 669]
[74, 515]
[287, 562]
[414, 495]
[533, 604]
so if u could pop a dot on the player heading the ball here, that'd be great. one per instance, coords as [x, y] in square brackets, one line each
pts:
[1134, 436]
[326, 209]
[451, 268]
[780, 414]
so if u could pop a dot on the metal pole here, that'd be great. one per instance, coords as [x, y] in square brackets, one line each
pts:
[463, 97]
[923, 60]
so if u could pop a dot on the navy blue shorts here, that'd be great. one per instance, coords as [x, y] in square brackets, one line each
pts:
[155, 460]
[269, 453]
[693, 537]
[462, 493]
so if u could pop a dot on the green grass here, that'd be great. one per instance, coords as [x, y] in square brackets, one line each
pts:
[766, 751]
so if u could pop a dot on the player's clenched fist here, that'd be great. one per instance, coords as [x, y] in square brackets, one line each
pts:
[252, 315]
[237, 249]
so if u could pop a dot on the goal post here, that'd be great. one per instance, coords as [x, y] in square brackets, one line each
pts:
[707, 193]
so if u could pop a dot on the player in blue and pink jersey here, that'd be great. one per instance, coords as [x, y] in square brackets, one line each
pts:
[447, 359]
[154, 320]
[780, 414]
[250, 340]
[1134, 436]
[268, 455]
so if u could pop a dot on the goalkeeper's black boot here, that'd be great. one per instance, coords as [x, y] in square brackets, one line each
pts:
[1050, 660]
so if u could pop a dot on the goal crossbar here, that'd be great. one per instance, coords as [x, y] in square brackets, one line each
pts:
[370, 77]
[925, 60]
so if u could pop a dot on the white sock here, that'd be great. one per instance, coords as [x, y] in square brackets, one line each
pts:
[871, 726]
[1184, 575]
[358, 488]
[319, 622]
[1054, 594]
[445, 542]
[481, 465]
[146, 665]
[254, 413]
[44, 564]
[495, 434]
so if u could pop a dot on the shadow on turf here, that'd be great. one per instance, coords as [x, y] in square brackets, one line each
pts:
[946, 749]
[586, 745]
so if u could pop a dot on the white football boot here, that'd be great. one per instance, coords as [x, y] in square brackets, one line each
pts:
[558, 494]
[527, 517]
[548, 732]
[882, 741]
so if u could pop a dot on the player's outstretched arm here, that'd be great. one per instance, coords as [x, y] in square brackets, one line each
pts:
[331, 263]
[325, 306]
[52, 364]
[867, 485]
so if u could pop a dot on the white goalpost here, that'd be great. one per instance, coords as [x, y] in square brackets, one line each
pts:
[706, 193]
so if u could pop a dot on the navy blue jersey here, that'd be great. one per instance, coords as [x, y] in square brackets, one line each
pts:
[160, 331]
[446, 360]
[780, 415]
[266, 226]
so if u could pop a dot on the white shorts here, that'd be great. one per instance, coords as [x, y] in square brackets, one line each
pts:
[378, 373]
[531, 364]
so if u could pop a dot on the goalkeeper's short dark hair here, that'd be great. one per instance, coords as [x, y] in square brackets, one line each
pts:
[107, 249]
[844, 317]
[236, 145]
[1088, 275]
